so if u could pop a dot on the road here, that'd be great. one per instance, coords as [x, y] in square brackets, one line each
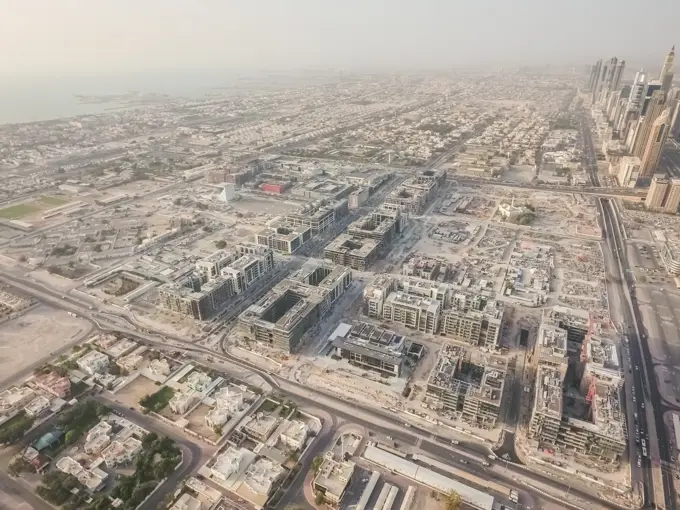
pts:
[596, 190]
[192, 455]
[643, 398]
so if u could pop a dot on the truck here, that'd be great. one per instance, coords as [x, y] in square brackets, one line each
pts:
[514, 496]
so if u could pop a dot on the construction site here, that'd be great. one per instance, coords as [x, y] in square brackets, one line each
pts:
[577, 399]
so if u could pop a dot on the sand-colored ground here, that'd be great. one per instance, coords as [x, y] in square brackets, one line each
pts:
[34, 336]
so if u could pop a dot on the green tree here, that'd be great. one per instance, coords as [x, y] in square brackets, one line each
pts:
[164, 468]
[319, 499]
[221, 244]
[71, 436]
[15, 428]
[19, 465]
[316, 463]
[452, 501]
[149, 440]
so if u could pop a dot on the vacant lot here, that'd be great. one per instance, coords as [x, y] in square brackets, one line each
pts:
[197, 422]
[32, 338]
[15, 212]
[133, 392]
[53, 201]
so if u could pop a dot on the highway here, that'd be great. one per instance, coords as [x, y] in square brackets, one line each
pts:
[643, 398]
[598, 190]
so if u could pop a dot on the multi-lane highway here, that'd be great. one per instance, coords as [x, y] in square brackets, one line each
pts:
[648, 444]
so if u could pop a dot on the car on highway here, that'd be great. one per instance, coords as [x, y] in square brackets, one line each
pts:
[485, 463]
[462, 461]
[455, 441]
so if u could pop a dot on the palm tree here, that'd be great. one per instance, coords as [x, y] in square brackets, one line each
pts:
[453, 500]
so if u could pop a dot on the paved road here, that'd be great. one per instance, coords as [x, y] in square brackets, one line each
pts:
[647, 401]
[192, 455]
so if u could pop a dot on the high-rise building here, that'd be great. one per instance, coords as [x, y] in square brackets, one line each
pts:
[666, 76]
[594, 75]
[617, 75]
[610, 71]
[674, 105]
[657, 105]
[655, 142]
[606, 76]
[663, 195]
[629, 170]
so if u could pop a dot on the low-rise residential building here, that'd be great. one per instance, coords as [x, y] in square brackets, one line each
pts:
[93, 479]
[54, 384]
[119, 453]
[37, 406]
[94, 362]
[181, 401]
[333, 478]
[294, 434]
[186, 502]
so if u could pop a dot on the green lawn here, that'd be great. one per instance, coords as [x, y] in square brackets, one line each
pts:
[15, 212]
[158, 400]
[55, 201]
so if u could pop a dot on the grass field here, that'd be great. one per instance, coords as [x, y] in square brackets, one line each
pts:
[15, 212]
[54, 201]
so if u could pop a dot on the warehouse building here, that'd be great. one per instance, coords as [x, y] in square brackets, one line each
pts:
[287, 311]
[469, 388]
[370, 347]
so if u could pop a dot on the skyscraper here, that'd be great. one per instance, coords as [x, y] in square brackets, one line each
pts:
[617, 75]
[594, 75]
[657, 104]
[605, 79]
[666, 76]
[634, 104]
[655, 142]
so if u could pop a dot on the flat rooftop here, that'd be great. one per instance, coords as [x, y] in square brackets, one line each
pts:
[549, 388]
[354, 246]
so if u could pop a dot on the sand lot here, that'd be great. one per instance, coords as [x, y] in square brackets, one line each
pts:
[33, 336]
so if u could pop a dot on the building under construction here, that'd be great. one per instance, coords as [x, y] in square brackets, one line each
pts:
[471, 389]
[287, 311]
[283, 237]
[382, 225]
[216, 280]
[319, 216]
[413, 195]
[479, 324]
[577, 397]
[353, 252]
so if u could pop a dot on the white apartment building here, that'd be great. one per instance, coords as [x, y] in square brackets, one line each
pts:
[94, 362]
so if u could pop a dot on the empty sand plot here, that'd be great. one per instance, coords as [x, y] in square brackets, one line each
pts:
[134, 391]
[34, 335]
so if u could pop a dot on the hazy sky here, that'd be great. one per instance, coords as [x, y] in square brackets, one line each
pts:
[133, 35]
